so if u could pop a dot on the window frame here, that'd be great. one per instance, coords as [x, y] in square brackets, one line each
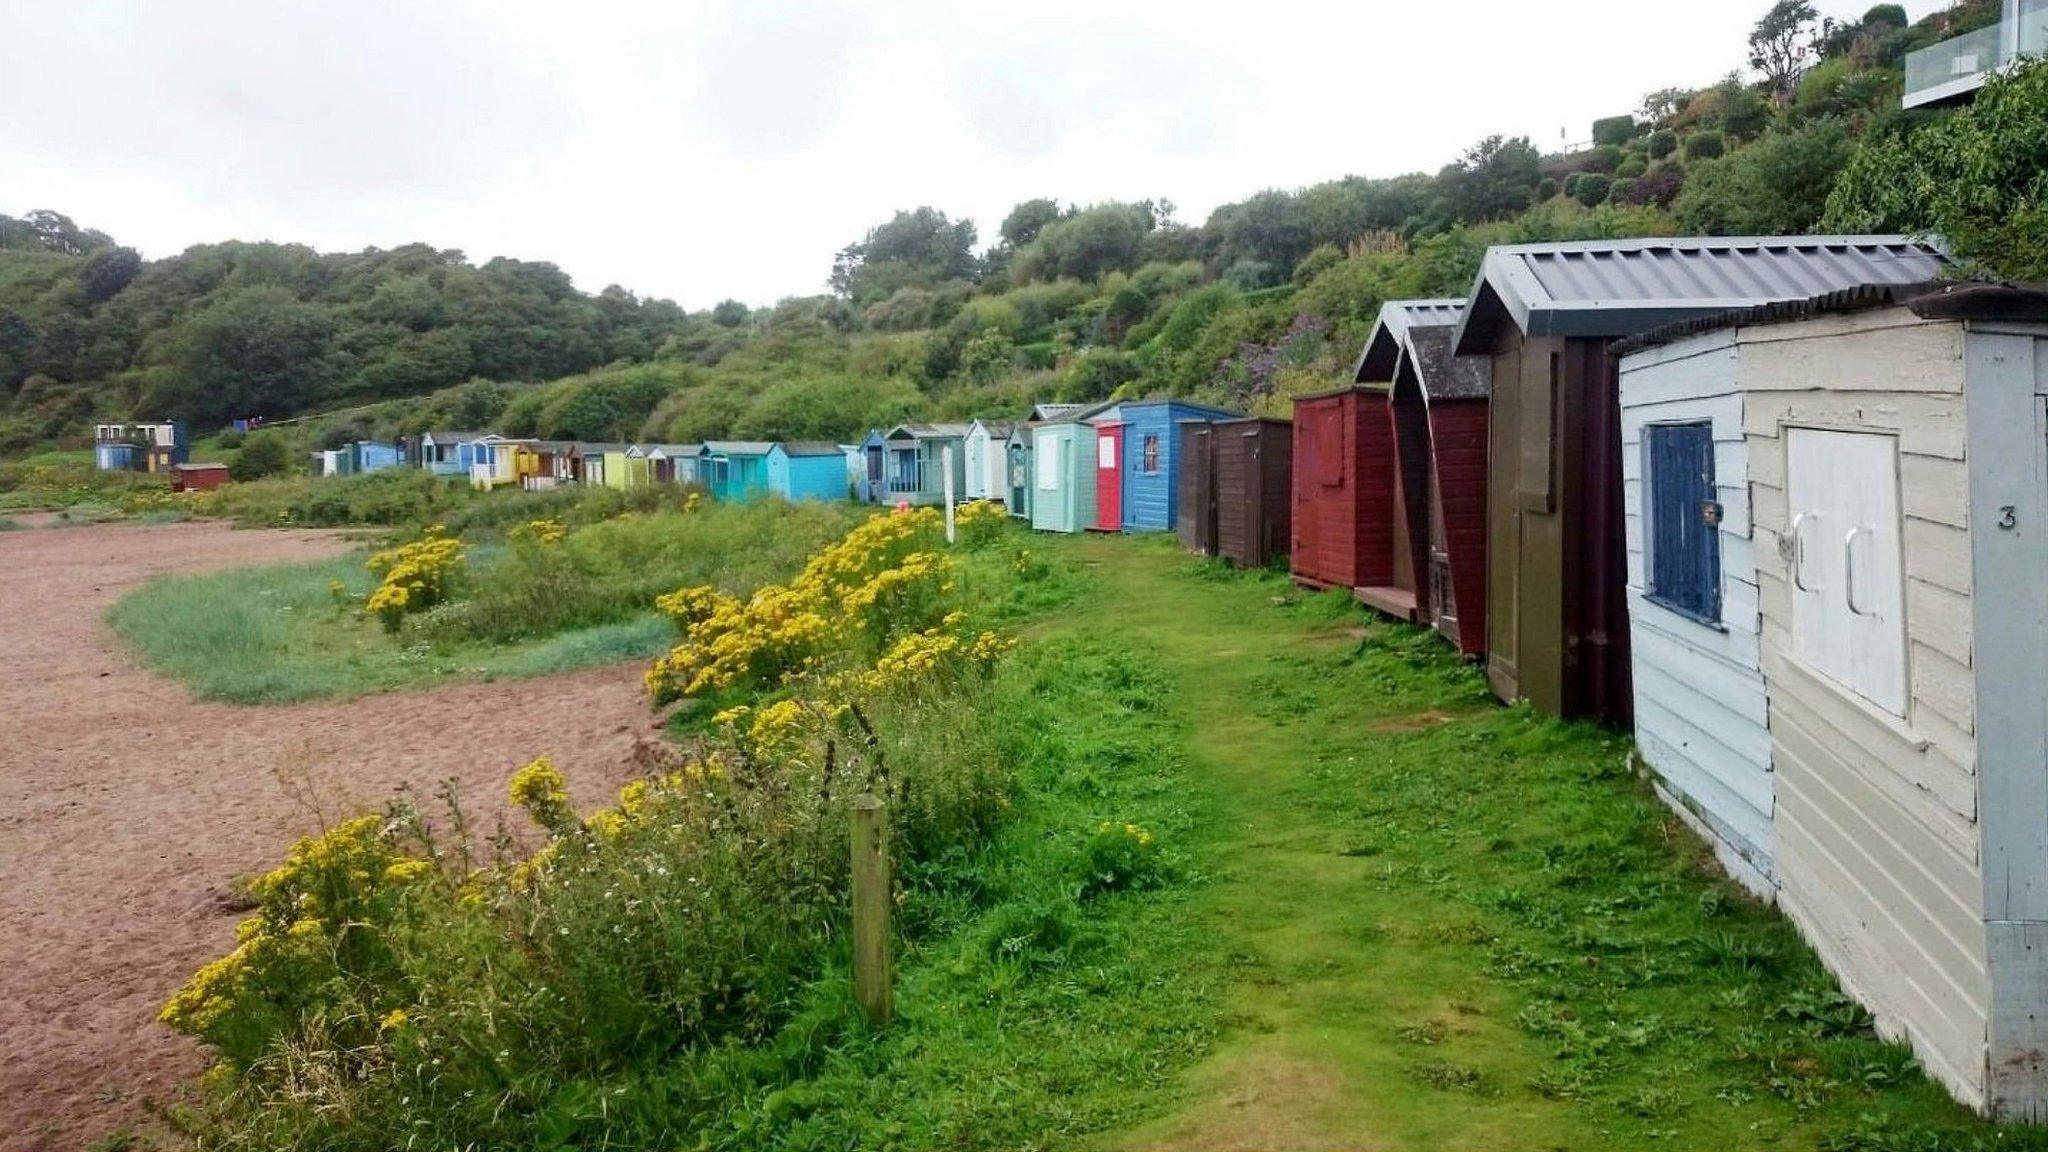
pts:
[1709, 614]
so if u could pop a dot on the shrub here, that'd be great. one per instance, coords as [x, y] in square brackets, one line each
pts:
[414, 577]
[1616, 130]
[1631, 168]
[1976, 177]
[1604, 158]
[1777, 186]
[1547, 189]
[1621, 192]
[1658, 188]
[264, 453]
[1120, 857]
[1593, 189]
[1704, 146]
[1661, 143]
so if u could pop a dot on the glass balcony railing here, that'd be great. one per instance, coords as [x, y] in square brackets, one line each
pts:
[1955, 67]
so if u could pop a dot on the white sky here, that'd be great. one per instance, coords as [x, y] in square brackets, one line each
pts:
[729, 148]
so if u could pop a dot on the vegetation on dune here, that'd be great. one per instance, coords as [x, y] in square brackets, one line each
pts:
[521, 604]
[1266, 296]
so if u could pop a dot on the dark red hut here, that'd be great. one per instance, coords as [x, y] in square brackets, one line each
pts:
[1348, 505]
[1439, 410]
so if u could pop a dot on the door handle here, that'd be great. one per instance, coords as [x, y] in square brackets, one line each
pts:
[1799, 552]
[1849, 569]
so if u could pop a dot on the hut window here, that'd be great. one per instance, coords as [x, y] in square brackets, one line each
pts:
[1151, 453]
[1684, 530]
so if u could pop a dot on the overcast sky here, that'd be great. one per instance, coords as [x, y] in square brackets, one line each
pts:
[704, 150]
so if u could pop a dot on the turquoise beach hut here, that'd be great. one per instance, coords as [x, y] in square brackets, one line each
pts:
[1063, 463]
[803, 470]
[734, 469]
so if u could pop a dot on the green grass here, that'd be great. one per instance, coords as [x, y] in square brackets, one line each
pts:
[275, 634]
[1407, 918]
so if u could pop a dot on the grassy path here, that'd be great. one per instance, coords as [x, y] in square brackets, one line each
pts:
[1449, 924]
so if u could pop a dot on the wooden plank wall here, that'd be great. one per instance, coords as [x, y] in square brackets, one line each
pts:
[1458, 449]
[1700, 714]
[1877, 851]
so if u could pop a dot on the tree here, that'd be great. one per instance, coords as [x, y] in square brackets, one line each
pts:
[1781, 44]
[107, 271]
[254, 352]
[1027, 220]
[919, 248]
[1088, 244]
[730, 314]
[265, 453]
[1777, 186]
[1496, 178]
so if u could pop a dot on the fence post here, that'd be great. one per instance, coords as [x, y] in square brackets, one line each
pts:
[871, 976]
[946, 466]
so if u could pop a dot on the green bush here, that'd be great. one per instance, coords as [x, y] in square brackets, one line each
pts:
[1547, 189]
[1777, 186]
[1622, 191]
[1631, 168]
[1616, 130]
[268, 452]
[1593, 188]
[1661, 143]
[1978, 177]
[1704, 146]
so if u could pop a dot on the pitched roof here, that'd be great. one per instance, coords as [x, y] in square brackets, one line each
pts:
[737, 447]
[930, 431]
[455, 437]
[812, 448]
[1080, 413]
[1609, 288]
[671, 451]
[1382, 353]
[1931, 300]
[1043, 412]
[585, 448]
[1179, 402]
[996, 429]
[1442, 375]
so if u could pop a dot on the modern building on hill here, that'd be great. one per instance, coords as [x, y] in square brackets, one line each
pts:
[140, 447]
[1956, 68]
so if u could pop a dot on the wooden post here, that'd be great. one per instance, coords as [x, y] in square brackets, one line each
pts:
[946, 466]
[871, 976]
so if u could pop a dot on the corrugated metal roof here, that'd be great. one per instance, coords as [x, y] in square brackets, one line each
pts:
[1383, 348]
[930, 431]
[1608, 288]
[1209, 411]
[1044, 412]
[455, 437]
[737, 447]
[1933, 300]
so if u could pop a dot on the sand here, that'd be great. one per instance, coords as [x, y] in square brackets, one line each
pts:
[127, 808]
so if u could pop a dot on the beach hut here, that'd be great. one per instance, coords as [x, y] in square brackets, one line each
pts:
[1064, 463]
[1348, 506]
[673, 463]
[542, 464]
[987, 445]
[1896, 531]
[915, 471]
[874, 467]
[806, 470]
[1438, 405]
[856, 470]
[363, 456]
[1546, 316]
[734, 469]
[1148, 488]
[450, 453]
[1017, 471]
[1194, 522]
[197, 477]
[493, 463]
[1250, 488]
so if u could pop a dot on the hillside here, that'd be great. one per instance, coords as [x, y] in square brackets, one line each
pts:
[1266, 297]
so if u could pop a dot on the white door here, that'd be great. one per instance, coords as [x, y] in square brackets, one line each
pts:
[1848, 597]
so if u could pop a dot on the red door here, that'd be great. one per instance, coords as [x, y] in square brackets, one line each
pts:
[1109, 478]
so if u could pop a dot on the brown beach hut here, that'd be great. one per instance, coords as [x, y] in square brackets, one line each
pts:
[1438, 407]
[1252, 478]
[1545, 316]
[1194, 521]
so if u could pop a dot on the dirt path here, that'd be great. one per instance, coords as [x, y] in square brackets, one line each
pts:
[126, 806]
